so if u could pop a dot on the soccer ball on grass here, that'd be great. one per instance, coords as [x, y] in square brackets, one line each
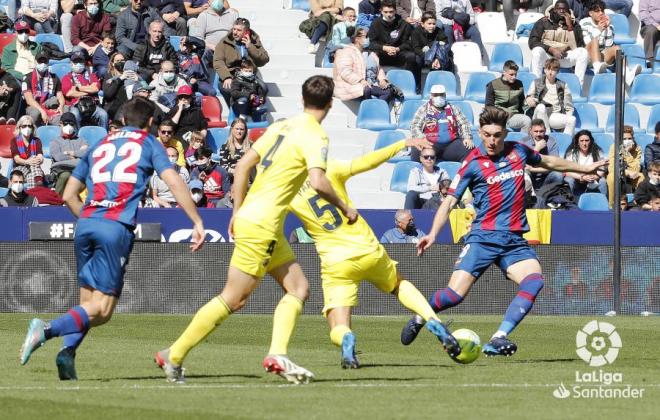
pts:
[470, 345]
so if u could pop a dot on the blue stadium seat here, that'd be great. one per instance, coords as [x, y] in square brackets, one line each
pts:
[404, 80]
[407, 113]
[466, 109]
[645, 89]
[46, 134]
[445, 78]
[604, 140]
[634, 54]
[175, 42]
[300, 5]
[3, 192]
[216, 138]
[451, 168]
[374, 114]
[60, 69]
[654, 117]
[527, 79]
[476, 86]
[587, 118]
[516, 136]
[388, 137]
[656, 64]
[630, 117]
[602, 88]
[503, 52]
[52, 38]
[621, 29]
[250, 124]
[574, 85]
[563, 140]
[92, 134]
[593, 202]
[399, 180]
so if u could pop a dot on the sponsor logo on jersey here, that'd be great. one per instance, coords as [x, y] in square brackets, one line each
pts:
[504, 176]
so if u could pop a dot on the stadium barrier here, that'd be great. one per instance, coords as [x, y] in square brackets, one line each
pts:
[166, 278]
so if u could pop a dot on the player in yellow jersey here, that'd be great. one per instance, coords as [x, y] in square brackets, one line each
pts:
[288, 153]
[351, 253]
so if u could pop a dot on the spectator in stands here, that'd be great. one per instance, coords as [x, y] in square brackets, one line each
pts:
[654, 201]
[579, 8]
[4, 181]
[339, 36]
[19, 56]
[88, 27]
[27, 152]
[196, 188]
[389, 38]
[551, 100]
[248, 94]
[161, 196]
[197, 140]
[66, 151]
[356, 76]
[508, 93]
[459, 22]
[424, 181]
[623, 7]
[102, 54]
[585, 151]
[186, 115]
[558, 35]
[115, 7]
[81, 87]
[166, 137]
[444, 125]
[215, 178]
[368, 11]
[131, 28]
[172, 13]
[213, 24]
[649, 16]
[150, 54]
[598, 36]
[508, 6]
[649, 186]
[412, 10]
[323, 15]
[235, 147]
[17, 197]
[114, 87]
[652, 151]
[166, 84]
[10, 98]
[42, 92]
[192, 66]
[545, 145]
[40, 14]
[241, 44]
[631, 154]
[404, 230]
[430, 45]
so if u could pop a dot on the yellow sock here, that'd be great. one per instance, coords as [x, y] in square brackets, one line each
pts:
[203, 323]
[413, 299]
[337, 334]
[284, 321]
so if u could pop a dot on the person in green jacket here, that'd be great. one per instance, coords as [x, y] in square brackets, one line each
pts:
[18, 57]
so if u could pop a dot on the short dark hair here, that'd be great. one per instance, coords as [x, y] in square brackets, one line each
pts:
[354, 32]
[653, 195]
[388, 3]
[428, 15]
[537, 121]
[242, 22]
[654, 166]
[493, 115]
[317, 92]
[510, 65]
[657, 127]
[203, 152]
[16, 172]
[347, 9]
[167, 123]
[247, 64]
[595, 5]
[109, 35]
[562, 1]
[137, 112]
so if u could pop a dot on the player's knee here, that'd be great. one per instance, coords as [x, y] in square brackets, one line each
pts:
[533, 283]
[301, 291]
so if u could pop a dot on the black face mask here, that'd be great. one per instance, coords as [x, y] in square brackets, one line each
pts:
[411, 229]
[119, 66]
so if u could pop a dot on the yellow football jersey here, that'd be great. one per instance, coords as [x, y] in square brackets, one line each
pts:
[287, 150]
[334, 238]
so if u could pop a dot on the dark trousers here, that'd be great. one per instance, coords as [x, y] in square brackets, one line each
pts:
[651, 37]
[413, 201]
[13, 104]
[454, 151]
[378, 93]
[472, 34]
[405, 59]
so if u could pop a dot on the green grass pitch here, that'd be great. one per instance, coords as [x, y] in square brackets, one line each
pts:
[118, 378]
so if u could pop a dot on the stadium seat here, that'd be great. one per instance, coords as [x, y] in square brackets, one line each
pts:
[52, 38]
[476, 86]
[374, 114]
[503, 52]
[466, 109]
[526, 18]
[645, 89]
[467, 57]
[300, 5]
[256, 133]
[654, 117]
[604, 140]
[634, 55]
[451, 168]
[250, 123]
[175, 42]
[643, 140]
[6, 136]
[516, 136]
[407, 113]
[656, 64]
[574, 85]
[404, 80]
[527, 79]
[621, 29]
[387, 137]
[216, 138]
[3, 192]
[6, 39]
[492, 26]
[399, 180]
[60, 69]
[587, 117]
[212, 110]
[593, 202]
[602, 88]
[46, 134]
[630, 117]
[563, 140]
[92, 134]
[445, 78]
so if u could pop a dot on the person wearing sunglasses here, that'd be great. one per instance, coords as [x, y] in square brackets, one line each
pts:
[166, 137]
[425, 181]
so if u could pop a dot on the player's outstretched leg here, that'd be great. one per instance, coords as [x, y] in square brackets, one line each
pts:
[499, 344]
[439, 301]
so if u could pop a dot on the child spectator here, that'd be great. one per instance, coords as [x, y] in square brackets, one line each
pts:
[213, 176]
[247, 93]
[191, 65]
[649, 186]
[196, 141]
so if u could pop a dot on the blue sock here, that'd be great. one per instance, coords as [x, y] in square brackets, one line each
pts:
[521, 304]
[72, 341]
[74, 321]
[444, 299]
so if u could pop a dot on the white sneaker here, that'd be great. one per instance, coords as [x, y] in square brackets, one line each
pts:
[288, 370]
[631, 72]
[173, 373]
[312, 48]
[599, 67]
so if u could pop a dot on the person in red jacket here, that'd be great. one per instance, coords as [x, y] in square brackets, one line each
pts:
[88, 27]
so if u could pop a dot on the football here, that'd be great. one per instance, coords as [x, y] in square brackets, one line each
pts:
[470, 345]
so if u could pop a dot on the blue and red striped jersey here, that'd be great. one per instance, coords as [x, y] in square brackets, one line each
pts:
[498, 186]
[116, 172]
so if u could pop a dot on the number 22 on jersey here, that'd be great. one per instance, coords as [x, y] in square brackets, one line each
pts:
[124, 170]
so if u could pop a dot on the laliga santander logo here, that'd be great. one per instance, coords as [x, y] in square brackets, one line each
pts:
[598, 343]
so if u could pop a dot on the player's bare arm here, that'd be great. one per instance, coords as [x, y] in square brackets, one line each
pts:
[320, 183]
[71, 195]
[555, 163]
[241, 178]
[182, 195]
[439, 220]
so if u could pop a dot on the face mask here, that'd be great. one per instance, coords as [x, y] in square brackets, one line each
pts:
[42, 67]
[119, 66]
[411, 229]
[17, 187]
[389, 18]
[26, 131]
[93, 10]
[68, 129]
[628, 144]
[107, 51]
[168, 76]
[653, 181]
[173, 159]
[22, 38]
[186, 106]
[77, 67]
[365, 43]
[218, 6]
[439, 101]
[246, 74]
[350, 24]
[197, 197]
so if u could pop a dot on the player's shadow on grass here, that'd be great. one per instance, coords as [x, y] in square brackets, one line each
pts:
[374, 379]
[532, 361]
[409, 365]
[144, 378]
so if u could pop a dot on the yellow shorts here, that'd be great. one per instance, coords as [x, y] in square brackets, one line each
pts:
[341, 281]
[255, 252]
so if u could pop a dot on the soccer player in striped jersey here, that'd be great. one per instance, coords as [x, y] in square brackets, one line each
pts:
[494, 172]
[115, 172]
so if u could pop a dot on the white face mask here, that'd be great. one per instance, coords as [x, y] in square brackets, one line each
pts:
[77, 67]
[22, 38]
[439, 101]
[197, 197]
[68, 129]
[173, 159]
[628, 144]
[653, 180]
[42, 67]
[389, 18]
[17, 187]
[26, 131]
[350, 24]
